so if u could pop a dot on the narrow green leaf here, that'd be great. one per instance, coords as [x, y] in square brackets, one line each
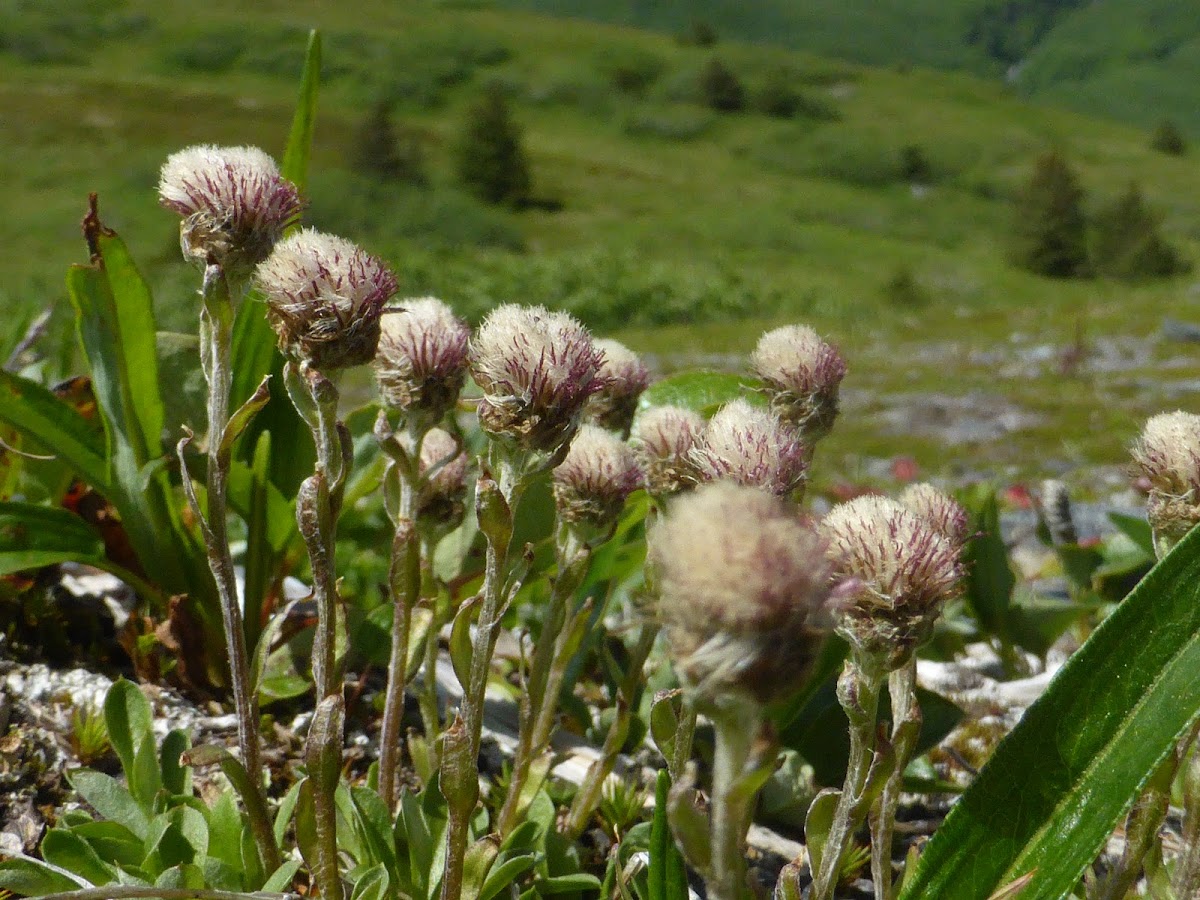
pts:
[281, 879]
[990, 580]
[1136, 529]
[176, 778]
[1056, 787]
[372, 884]
[244, 414]
[111, 799]
[32, 878]
[133, 310]
[32, 536]
[37, 414]
[505, 873]
[667, 874]
[128, 718]
[145, 781]
[702, 391]
[567, 884]
[71, 852]
[299, 146]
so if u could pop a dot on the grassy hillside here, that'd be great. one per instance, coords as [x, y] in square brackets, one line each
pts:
[671, 215]
[1134, 60]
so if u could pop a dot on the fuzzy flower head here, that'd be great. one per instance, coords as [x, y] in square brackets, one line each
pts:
[421, 362]
[443, 465]
[593, 480]
[536, 369]
[802, 374]
[937, 509]
[752, 447]
[325, 296]
[625, 377]
[742, 584]
[235, 205]
[906, 571]
[1168, 454]
[663, 437]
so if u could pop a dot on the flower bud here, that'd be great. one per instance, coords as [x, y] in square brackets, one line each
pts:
[443, 493]
[752, 447]
[593, 480]
[234, 203]
[421, 362]
[324, 299]
[937, 509]
[1168, 454]
[536, 369]
[742, 584]
[625, 377]
[905, 571]
[663, 437]
[802, 374]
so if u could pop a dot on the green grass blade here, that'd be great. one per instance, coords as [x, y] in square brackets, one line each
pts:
[32, 536]
[1055, 788]
[40, 416]
[299, 146]
[667, 876]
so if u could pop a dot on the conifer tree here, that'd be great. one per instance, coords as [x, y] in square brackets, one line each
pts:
[1126, 242]
[1051, 227]
[492, 162]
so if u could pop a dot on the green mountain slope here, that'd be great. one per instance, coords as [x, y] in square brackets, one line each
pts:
[683, 229]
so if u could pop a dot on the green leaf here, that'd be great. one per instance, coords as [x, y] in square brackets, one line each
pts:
[567, 884]
[32, 878]
[299, 146]
[990, 580]
[39, 415]
[127, 716]
[667, 874]
[145, 781]
[113, 841]
[69, 851]
[32, 536]
[372, 884]
[817, 825]
[176, 778]
[505, 873]
[111, 799]
[281, 879]
[1058, 785]
[1136, 529]
[225, 829]
[702, 391]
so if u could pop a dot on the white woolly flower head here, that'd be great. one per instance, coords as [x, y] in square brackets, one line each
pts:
[662, 438]
[625, 376]
[325, 296]
[802, 374]
[936, 508]
[234, 203]
[742, 584]
[596, 476]
[752, 447]
[1168, 454]
[905, 569]
[421, 362]
[536, 369]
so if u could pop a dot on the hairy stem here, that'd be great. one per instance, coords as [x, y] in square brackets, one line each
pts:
[1186, 880]
[735, 730]
[216, 336]
[459, 775]
[404, 583]
[587, 798]
[539, 702]
[906, 726]
[858, 693]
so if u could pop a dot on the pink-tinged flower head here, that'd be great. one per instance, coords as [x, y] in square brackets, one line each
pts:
[752, 447]
[663, 437]
[536, 369]
[235, 205]
[938, 509]
[443, 465]
[1168, 454]
[595, 477]
[325, 297]
[421, 362]
[905, 571]
[802, 374]
[743, 583]
[625, 377]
